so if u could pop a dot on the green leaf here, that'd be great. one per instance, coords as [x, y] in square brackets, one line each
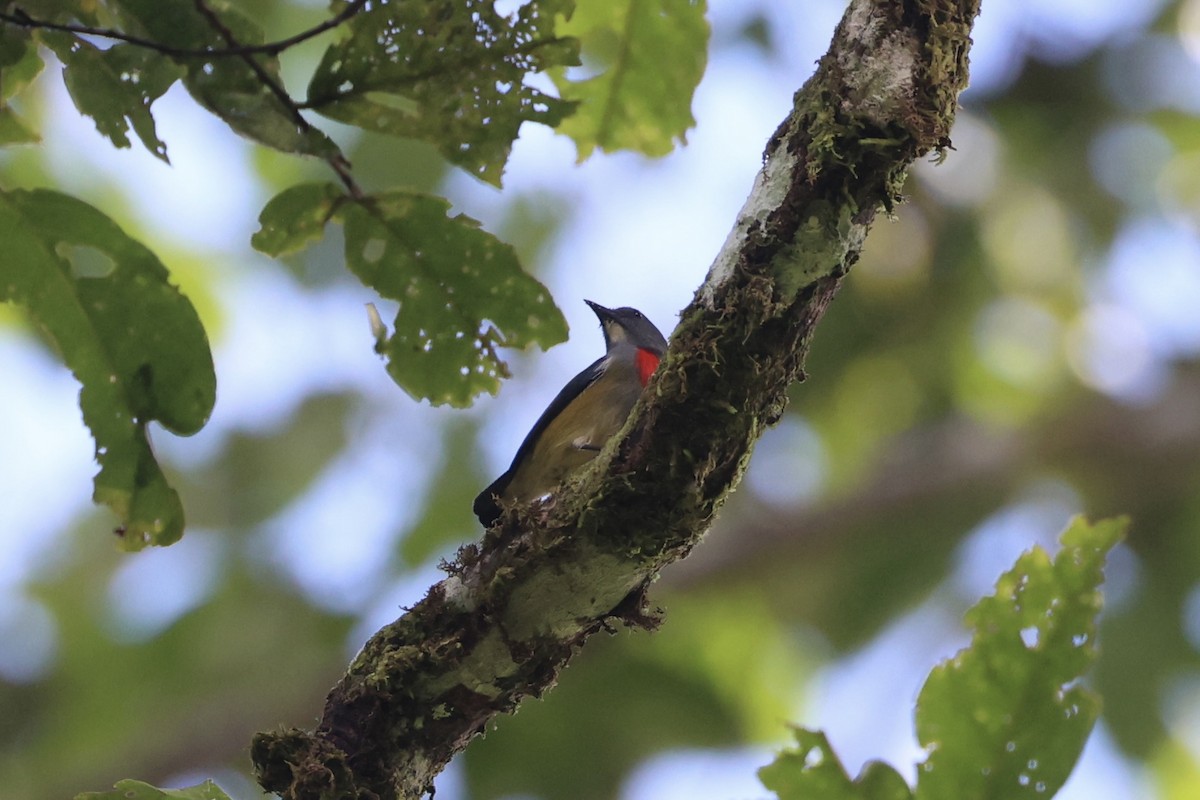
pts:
[452, 74]
[115, 87]
[227, 86]
[13, 129]
[812, 770]
[462, 294]
[128, 335]
[1007, 717]
[651, 54]
[295, 218]
[137, 790]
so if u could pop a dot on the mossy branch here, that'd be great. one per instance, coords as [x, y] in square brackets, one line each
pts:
[516, 607]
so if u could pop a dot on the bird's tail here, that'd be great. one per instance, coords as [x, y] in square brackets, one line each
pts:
[487, 504]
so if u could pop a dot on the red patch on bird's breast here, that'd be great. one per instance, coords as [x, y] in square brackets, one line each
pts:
[647, 362]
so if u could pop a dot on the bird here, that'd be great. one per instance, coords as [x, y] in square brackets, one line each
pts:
[583, 416]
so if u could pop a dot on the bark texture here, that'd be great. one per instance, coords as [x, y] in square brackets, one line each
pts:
[518, 605]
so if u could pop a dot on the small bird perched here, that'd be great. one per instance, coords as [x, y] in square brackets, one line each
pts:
[586, 413]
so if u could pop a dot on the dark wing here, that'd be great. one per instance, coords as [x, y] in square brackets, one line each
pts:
[486, 506]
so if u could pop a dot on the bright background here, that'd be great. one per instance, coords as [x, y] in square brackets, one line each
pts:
[1019, 344]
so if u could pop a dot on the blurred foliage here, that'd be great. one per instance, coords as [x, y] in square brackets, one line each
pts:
[1009, 350]
[717, 674]
[126, 703]
[440, 525]
[260, 473]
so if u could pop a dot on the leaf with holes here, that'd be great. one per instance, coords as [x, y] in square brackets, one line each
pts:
[812, 770]
[1007, 717]
[452, 74]
[648, 57]
[128, 335]
[228, 86]
[462, 294]
[115, 87]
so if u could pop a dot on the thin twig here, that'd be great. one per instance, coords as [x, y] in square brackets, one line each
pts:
[21, 19]
[341, 165]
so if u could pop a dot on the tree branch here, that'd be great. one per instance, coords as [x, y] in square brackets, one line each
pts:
[518, 606]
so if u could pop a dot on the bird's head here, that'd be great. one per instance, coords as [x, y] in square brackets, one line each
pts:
[628, 325]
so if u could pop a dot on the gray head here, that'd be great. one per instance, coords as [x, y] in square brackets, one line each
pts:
[627, 324]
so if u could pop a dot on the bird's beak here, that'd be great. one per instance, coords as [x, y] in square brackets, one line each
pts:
[605, 314]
